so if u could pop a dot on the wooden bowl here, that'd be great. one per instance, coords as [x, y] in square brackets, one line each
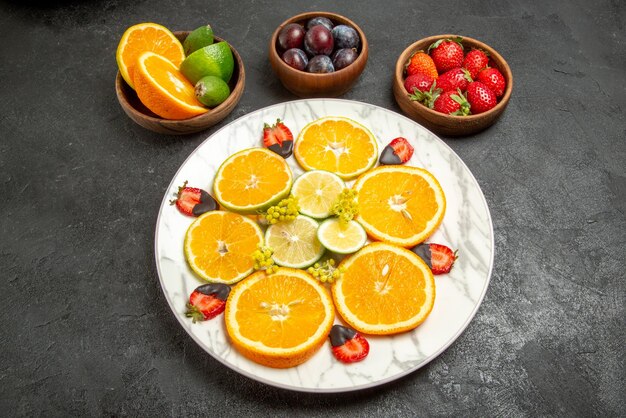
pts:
[305, 84]
[143, 116]
[446, 124]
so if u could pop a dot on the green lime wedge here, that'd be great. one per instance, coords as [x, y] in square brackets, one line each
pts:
[317, 191]
[340, 237]
[295, 242]
[216, 59]
[198, 38]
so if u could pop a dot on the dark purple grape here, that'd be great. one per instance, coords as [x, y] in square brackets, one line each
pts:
[318, 41]
[320, 64]
[344, 57]
[320, 20]
[345, 37]
[296, 58]
[291, 36]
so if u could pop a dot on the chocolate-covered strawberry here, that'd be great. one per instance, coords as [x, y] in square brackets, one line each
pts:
[398, 151]
[192, 201]
[278, 138]
[348, 346]
[440, 258]
[207, 301]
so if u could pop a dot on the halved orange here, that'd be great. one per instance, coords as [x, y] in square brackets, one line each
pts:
[279, 320]
[336, 144]
[252, 180]
[163, 89]
[146, 37]
[385, 289]
[401, 205]
[219, 246]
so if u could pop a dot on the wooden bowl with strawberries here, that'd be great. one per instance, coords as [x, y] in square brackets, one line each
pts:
[438, 105]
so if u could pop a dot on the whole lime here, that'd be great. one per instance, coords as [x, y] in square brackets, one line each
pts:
[198, 38]
[216, 59]
[211, 91]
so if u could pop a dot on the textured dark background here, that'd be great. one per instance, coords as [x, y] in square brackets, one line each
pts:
[85, 329]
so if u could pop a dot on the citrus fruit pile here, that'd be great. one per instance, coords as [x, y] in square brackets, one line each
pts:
[174, 80]
[296, 251]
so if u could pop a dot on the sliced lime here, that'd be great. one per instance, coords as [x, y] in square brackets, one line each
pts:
[216, 59]
[198, 38]
[340, 237]
[295, 242]
[317, 191]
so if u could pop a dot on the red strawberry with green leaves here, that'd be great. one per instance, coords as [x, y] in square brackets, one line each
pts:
[452, 103]
[474, 61]
[493, 78]
[207, 301]
[348, 346]
[192, 201]
[398, 151]
[447, 54]
[480, 97]
[420, 82]
[421, 63]
[440, 258]
[278, 138]
[457, 78]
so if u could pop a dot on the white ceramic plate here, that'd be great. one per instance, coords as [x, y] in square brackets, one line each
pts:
[466, 227]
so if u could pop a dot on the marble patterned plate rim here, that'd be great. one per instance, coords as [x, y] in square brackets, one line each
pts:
[262, 379]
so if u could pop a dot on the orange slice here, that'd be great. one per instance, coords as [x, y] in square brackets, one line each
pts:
[164, 90]
[280, 320]
[336, 144]
[384, 290]
[399, 204]
[146, 37]
[252, 180]
[219, 246]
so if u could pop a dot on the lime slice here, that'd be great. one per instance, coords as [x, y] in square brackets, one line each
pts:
[341, 238]
[317, 191]
[295, 243]
[216, 59]
[198, 38]
[252, 180]
[211, 91]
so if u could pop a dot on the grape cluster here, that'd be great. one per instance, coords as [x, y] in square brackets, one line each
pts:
[286, 210]
[263, 260]
[326, 272]
[346, 207]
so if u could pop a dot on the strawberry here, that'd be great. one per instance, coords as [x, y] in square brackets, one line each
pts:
[447, 54]
[398, 151]
[480, 97]
[452, 103]
[493, 79]
[457, 78]
[348, 346]
[278, 138]
[418, 81]
[474, 61]
[421, 63]
[192, 201]
[439, 257]
[207, 301]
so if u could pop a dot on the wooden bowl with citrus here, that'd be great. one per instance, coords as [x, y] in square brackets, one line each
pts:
[140, 114]
[441, 123]
[308, 84]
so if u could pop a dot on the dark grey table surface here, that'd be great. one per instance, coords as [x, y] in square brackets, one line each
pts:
[85, 327]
